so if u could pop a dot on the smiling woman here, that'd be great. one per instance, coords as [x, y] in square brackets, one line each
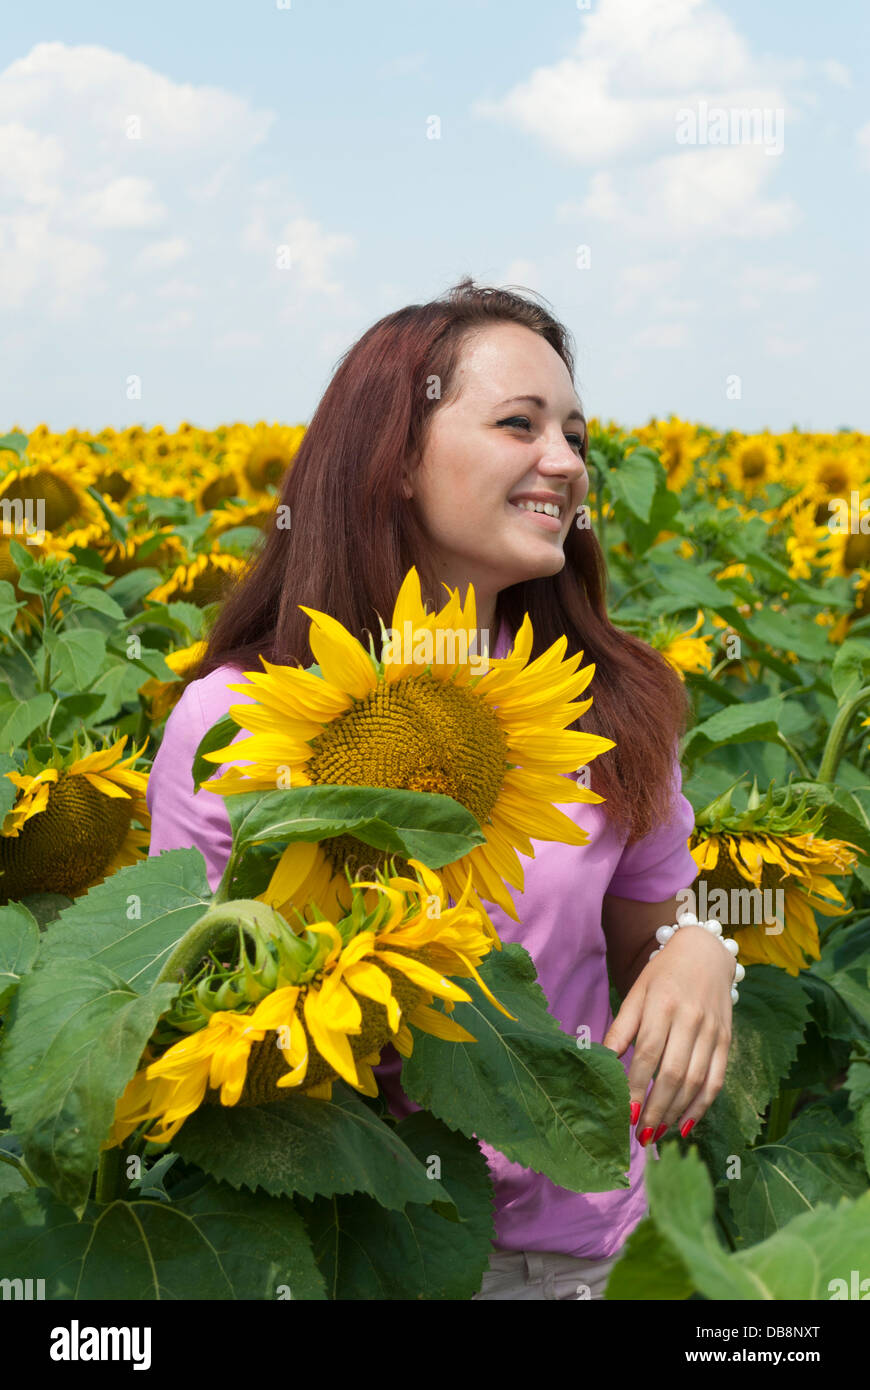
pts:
[451, 440]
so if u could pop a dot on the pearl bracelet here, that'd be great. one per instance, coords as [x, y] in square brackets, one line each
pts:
[688, 919]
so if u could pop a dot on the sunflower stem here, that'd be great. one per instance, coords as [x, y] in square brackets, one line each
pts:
[20, 1167]
[838, 734]
[780, 1115]
[111, 1179]
[796, 757]
[10, 637]
[196, 942]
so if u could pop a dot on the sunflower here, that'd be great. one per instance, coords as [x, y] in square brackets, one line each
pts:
[332, 993]
[680, 445]
[753, 464]
[263, 453]
[771, 860]
[71, 824]
[496, 743]
[163, 695]
[55, 486]
[682, 651]
[203, 580]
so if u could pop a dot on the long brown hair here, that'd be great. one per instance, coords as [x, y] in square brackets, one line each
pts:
[353, 536]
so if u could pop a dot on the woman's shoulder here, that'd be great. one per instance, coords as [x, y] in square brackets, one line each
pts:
[211, 696]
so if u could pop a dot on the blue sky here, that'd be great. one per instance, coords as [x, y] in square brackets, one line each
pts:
[154, 159]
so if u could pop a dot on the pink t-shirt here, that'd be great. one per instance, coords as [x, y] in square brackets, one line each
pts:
[560, 928]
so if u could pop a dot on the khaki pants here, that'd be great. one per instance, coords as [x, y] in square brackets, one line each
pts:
[526, 1274]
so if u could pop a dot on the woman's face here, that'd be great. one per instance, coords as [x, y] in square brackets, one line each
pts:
[486, 451]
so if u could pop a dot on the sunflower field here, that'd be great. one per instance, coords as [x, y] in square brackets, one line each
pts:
[188, 1107]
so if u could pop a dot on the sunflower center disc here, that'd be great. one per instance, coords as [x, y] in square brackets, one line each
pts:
[419, 733]
[728, 877]
[67, 847]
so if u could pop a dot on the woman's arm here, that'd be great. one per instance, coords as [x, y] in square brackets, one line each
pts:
[630, 932]
[677, 1007]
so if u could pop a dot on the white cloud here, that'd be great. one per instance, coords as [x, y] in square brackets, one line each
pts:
[310, 251]
[124, 202]
[29, 164]
[617, 100]
[34, 258]
[104, 149]
[523, 273]
[862, 138]
[238, 339]
[157, 255]
[693, 194]
[98, 91]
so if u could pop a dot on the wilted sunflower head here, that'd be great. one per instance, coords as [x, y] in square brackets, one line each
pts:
[72, 822]
[289, 1008]
[764, 870]
[424, 718]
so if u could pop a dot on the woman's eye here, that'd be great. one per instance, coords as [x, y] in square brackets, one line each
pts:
[524, 423]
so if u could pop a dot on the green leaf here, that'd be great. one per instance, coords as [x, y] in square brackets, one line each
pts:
[131, 922]
[690, 582]
[768, 1026]
[851, 669]
[858, 1086]
[526, 1088]
[743, 723]
[791, 632]
[19, 945]
[72, 1042]
[9, 606]
[825, 1048]
[422, 825]
[118, 525]
[19, 720]
[88, 596]
[807, 1259]
[213, 1244]
[634, 483]
[365, 1252]
[314, 1147]
[8, 789]
[817, 1160]
[77, 655]
[218, 736]
[16, 443]
[648, 1268]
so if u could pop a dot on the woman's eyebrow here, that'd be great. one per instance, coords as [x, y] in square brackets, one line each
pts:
[542, 405]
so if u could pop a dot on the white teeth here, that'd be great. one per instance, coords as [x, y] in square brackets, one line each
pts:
[549, 508]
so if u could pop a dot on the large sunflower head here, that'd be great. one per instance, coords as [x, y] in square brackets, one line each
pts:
[763, 871]
[71, 824]
[298, 1007]
[424, 718]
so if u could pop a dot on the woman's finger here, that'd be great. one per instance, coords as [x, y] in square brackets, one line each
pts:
[678, 1068]
[710, 1088]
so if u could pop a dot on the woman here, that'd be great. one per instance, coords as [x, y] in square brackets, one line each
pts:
[437, 423]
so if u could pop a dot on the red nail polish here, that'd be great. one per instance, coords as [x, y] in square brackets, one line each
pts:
[686, 1127]
[644, 1137]
[658, 1134]
[635, 1111]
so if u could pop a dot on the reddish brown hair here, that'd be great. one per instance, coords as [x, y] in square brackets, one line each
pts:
[354, 536]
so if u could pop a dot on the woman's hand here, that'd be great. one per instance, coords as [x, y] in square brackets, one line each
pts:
[679, 1010]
